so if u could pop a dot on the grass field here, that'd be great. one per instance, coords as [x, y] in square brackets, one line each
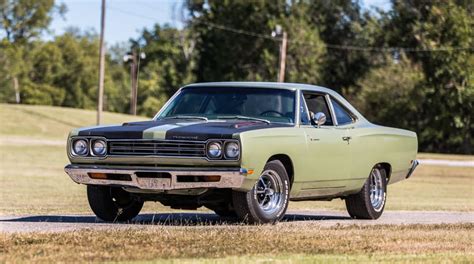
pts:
[32, 148]
[299, 242]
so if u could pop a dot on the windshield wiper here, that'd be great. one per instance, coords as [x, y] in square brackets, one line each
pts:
[244, 117]
[186, 117]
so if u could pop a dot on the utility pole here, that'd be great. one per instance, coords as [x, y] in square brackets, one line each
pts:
[100, 92]
[278, 32]
[284, 40]
[132, 56]
[133, 75]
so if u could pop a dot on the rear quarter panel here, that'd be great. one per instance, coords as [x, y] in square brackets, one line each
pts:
[374, 144]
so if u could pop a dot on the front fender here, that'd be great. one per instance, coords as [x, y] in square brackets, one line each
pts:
[259, 145]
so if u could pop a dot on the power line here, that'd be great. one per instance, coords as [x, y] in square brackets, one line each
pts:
[333, 46]
[327, 45]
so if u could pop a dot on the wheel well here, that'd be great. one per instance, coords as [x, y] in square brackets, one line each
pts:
[285, 159]
[388, 169]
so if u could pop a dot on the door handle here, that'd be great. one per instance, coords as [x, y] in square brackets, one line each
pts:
[346, 139]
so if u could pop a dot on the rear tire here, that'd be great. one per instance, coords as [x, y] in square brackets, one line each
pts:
[369, 203]
[268, 200]
[113, 204]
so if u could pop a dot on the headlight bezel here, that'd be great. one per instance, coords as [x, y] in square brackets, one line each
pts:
[223, 148]
[90, 153]
[73, 147]
[92, 147]
[216, 143]
[226, 146]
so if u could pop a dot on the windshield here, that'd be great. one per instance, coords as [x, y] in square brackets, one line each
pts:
[274, 105]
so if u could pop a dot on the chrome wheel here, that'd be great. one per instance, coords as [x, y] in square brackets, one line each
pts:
[268, 192]
[377, 191]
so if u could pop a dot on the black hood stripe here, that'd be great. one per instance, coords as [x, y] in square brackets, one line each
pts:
[180, 130]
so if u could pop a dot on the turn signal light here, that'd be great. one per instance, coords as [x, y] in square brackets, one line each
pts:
[212, 178]
[97, 175]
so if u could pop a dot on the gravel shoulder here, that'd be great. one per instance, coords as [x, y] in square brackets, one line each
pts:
[64, 223]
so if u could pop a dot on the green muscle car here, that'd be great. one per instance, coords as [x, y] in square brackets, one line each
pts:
[242, 149]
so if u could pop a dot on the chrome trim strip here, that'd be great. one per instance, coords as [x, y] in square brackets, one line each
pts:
[297, 111]
[414, 164]
[331, 109]
[230, 178]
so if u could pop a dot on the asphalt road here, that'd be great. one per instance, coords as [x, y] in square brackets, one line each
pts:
[63, 223]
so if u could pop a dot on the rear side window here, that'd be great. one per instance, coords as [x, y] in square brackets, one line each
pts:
[342, 115]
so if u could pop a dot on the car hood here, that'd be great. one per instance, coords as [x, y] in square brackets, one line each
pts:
[173, 129]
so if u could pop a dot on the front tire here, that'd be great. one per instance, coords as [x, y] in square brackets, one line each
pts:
[268, 200]
[113, 204]
[369, 203]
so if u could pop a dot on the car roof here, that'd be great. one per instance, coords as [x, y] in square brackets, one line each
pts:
[273, 85]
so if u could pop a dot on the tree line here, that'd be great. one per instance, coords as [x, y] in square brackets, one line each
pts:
[410, 66]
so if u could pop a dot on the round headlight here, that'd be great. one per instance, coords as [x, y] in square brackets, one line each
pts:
[214, 150]
[80, 147]
[232, 150]
[99, 147]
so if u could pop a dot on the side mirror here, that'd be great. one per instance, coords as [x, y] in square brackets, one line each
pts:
[319, 118]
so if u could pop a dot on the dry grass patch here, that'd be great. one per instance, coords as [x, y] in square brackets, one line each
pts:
[162, 242]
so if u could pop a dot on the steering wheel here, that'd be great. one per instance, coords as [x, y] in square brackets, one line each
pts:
[271, 111]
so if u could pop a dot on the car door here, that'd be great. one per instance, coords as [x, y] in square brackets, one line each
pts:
[327, 157]
[347, 125]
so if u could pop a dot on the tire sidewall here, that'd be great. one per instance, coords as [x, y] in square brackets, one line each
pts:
[376, 214]
[258, 212]
[103, 206]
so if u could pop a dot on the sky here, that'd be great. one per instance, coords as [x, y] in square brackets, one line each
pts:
[125, 19]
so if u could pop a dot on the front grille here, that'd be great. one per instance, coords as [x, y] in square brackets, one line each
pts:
[157, 148]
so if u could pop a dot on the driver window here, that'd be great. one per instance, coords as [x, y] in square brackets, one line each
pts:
[317, 103]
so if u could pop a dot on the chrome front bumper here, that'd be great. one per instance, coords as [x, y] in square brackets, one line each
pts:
[166, 179]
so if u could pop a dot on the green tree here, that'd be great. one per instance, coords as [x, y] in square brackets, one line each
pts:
[20, 22]
[446, 28]
[305, 52]
[168, 65]
[234, 41]
[391, 92]
[224, 55]
[343, 24]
